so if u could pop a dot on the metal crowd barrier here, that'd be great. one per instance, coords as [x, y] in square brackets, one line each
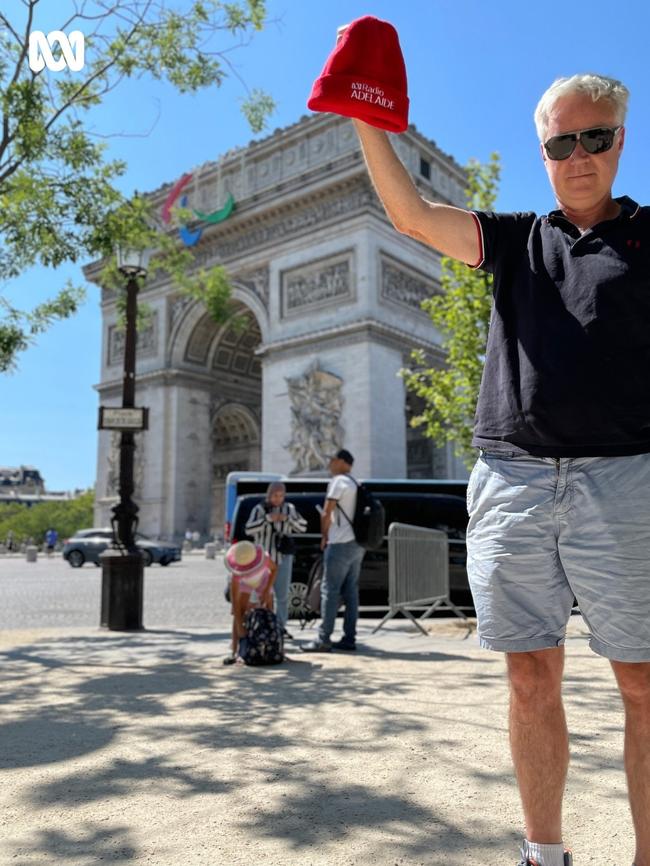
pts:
[418, 573]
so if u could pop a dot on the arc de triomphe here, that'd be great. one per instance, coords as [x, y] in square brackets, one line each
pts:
[330, 295]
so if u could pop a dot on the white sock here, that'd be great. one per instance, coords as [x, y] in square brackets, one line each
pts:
[545, 855]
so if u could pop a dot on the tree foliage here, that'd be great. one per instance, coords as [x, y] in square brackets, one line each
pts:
[59, 200]
[66, 516]
[461, 312]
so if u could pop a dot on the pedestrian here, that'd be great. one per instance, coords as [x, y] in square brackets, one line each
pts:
[271, 524]
[342, 558]
[51, 537]
[10, 544]
[560, 494]
[251, 585]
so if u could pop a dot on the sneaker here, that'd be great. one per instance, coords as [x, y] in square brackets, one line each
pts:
[568, 860]
[316, 646]
[344, 645]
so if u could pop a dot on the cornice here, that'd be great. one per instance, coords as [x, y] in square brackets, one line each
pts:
[350, 333]
[171, 376]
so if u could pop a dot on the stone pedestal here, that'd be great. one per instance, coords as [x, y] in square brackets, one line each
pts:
[210, 551]
[31, 553]
[122, 591]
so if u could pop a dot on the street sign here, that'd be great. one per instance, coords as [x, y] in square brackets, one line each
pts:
[118, 418]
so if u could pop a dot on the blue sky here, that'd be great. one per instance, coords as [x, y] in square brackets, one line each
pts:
[475, 70]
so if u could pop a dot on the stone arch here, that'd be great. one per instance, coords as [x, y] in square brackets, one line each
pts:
[236, 441]
[187, 314]
[222, 357]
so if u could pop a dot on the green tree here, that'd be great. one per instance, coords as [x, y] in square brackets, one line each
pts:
[66, 516]
[59, 201]
[461, 312]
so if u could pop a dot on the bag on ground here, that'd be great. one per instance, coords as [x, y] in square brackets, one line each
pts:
[263, 644]
[310, 609]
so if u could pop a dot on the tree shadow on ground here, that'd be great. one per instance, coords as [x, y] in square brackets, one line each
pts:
[168, 690]
[89, 843]
[315, 812]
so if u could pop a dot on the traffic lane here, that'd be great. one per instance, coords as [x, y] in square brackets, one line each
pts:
[49, 593]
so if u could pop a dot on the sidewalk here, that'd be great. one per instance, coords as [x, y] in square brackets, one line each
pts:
[143, 748]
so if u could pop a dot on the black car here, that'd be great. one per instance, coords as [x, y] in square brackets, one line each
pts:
[446, 512]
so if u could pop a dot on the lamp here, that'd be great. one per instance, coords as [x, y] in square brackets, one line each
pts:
[122, 566]
[133, 263]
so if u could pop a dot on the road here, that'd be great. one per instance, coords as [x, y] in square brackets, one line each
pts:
[50, 594]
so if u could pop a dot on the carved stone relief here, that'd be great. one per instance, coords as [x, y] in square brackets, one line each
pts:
[146, 345]
[256, 281]
[177, 305]
[317, 284]
[316, 407]
[404, 285]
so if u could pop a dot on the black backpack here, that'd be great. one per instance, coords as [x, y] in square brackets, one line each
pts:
[264, 642]
[369, 519]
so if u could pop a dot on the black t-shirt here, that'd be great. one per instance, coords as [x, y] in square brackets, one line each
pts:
[567, 371]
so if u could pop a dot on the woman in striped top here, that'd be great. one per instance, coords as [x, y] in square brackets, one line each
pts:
[271, 524]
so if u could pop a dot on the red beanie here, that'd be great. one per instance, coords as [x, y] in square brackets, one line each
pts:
[364, 77]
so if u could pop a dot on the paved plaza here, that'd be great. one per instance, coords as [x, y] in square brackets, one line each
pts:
[142, 748]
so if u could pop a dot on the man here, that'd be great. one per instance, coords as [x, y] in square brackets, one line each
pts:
[560, 495]
[51, 538]
[341, 558]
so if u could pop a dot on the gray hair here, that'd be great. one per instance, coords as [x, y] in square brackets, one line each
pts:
[596, 86]
[273, 487]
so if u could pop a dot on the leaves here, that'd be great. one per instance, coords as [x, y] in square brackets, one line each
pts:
[66, 516]
[59, 196]
[462, 314]
[257, 108]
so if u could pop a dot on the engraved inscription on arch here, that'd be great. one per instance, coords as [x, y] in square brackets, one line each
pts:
[318, 284]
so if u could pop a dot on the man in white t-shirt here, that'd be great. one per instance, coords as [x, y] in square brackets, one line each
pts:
[341, 559]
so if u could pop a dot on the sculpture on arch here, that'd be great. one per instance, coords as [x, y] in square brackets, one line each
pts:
[316, 406]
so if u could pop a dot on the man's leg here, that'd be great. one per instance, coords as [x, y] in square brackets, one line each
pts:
[539, 739]
[634, 682]
[333, 574]
[350, 593]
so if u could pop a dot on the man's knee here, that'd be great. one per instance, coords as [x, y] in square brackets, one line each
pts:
[634, 682]
[536, 676]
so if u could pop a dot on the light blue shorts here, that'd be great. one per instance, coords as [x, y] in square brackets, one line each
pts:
[543, 530]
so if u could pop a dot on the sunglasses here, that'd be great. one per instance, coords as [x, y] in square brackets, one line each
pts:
[596, 140]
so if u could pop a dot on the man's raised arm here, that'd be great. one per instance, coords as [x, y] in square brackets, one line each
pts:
[450, 230]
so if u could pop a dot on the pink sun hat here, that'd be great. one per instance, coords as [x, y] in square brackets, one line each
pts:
[246, 559]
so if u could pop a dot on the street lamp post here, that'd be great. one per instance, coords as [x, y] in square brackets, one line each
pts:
[122, 565]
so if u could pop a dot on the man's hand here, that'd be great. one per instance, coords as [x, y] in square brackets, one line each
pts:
[323, 543]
